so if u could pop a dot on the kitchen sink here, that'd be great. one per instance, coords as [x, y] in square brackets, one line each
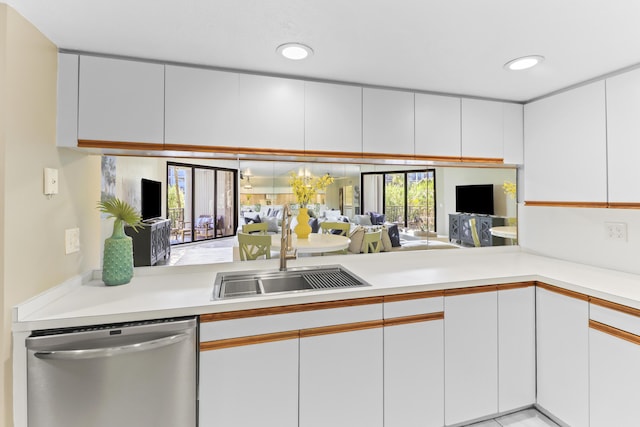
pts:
[238, 284]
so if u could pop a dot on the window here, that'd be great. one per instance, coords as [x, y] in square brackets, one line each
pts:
[406, 198]
[201, 202]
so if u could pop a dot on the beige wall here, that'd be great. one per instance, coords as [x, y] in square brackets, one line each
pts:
[32, 226]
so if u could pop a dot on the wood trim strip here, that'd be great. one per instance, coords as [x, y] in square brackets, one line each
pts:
[567, 204]
[255, 339]
[446, 159]
[347, 327]
[387, 156]
[481, 160]
[618, 333]
[119, 145]
[232, 150]
[413, 295]
[515, 285]
[470, 290]
[619, 205]
[296, 308]
[562, 291]
[418, 318]
[615, 306]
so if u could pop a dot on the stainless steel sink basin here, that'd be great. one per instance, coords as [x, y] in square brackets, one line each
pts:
[240, 284]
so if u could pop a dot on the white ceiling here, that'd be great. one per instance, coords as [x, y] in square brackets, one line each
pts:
[448, 46]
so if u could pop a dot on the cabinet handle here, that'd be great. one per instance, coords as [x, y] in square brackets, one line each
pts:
[615, 332]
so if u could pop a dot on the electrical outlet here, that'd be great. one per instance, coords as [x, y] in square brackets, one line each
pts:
[616, 231]
[71, 240]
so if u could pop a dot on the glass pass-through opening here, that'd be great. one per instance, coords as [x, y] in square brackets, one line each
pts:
[210, 199]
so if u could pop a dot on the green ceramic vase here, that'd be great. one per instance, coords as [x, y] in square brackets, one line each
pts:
[302, 228]
[117, 264]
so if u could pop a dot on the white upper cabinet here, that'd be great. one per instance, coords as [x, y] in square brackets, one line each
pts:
[513, 133]
[387, 121]
[437, 126]
[121, 100]
[67, 119]
[623, 134]
[333, 117]
[271, 113]
[565, 147]
[482, 129]
[201, 107]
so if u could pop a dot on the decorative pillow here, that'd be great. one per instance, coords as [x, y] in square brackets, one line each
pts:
[250, 218]
[313, 222]
[357, 237]
[272, 223]
[394, 235]
[376, 218]
[386, 240]
[362, 220]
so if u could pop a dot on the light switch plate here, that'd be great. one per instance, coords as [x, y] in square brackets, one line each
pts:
[50, 181]
[71, 240]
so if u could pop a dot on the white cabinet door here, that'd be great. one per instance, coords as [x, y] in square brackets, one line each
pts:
[414, 375]
[563, 356]
[272, 113]
[565, 147]
[387, 121]
[471, 356]
[248, 386]
[482, 133]
[437, 125]
[341, 379]
[67, 118]
[121, 100]
[513, 133]
[614, 380]
[201, 107]
[516, 348]
[333, 117]
[623, 133]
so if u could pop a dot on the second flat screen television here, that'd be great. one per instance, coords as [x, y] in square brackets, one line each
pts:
[476, 199]
[151, 199]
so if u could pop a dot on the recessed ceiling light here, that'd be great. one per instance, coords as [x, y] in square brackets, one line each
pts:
[524, 63]
[294, 51]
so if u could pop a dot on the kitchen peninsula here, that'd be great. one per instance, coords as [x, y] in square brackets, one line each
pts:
[506, 298]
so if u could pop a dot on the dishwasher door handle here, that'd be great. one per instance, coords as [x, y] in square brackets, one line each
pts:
[94, 353]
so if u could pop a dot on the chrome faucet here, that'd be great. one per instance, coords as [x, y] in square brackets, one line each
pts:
[286, 248]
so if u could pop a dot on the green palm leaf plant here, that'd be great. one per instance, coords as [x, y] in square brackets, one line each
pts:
[122, 211]
[117, 262]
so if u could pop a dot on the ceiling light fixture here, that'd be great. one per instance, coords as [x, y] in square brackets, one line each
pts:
[294, 51]
[524, 63]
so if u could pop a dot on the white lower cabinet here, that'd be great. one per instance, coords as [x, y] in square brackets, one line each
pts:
[614, 368]
[341, 379]
[516, 348]
[250, 385]
[471, 356]
[414, 363]
[563, 356]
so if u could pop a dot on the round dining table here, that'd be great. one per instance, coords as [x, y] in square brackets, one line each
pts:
[314, 244]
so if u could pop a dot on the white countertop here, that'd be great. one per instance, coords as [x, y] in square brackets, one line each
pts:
[160, 292]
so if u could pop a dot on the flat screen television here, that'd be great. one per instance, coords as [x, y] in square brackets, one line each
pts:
[477, 199]
[151, 199]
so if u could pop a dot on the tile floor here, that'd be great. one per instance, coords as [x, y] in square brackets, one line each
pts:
[525, 418]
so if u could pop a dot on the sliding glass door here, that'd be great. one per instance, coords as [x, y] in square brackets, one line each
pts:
[201, 202]
[407, 198]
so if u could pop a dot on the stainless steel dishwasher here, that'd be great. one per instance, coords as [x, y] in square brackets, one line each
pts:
[137, 374]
